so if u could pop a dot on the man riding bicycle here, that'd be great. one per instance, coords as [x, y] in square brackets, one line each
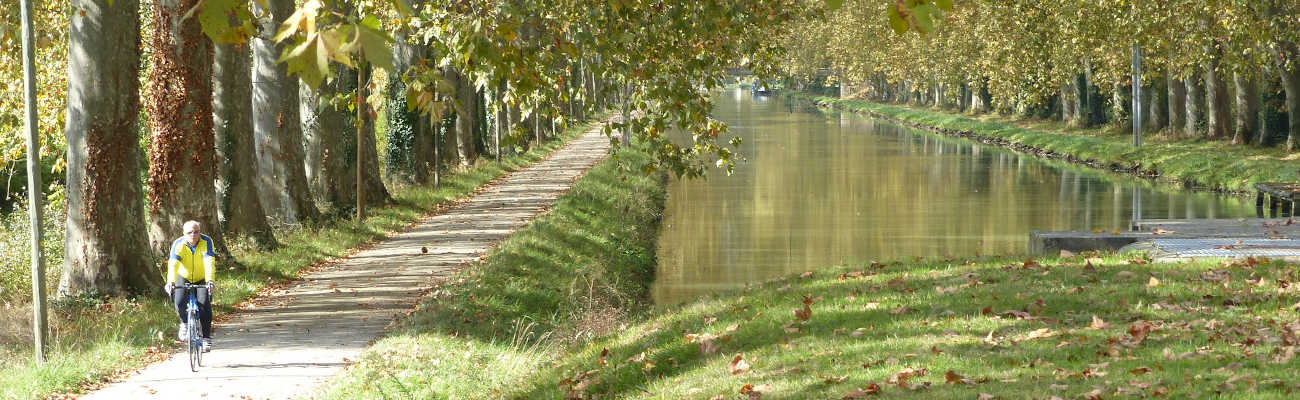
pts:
[192, 261]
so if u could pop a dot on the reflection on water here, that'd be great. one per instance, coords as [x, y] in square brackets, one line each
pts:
[822, 190]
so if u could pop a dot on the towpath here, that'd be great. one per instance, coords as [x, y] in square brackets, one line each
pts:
[296, 339]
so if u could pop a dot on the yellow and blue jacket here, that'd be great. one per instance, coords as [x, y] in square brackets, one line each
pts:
[193, 263]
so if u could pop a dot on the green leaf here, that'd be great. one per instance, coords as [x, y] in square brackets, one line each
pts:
[832, 5]
[308, 60]
[923, 16]
[896, 21]
[375, 43]
[945, 5]
[215, 18]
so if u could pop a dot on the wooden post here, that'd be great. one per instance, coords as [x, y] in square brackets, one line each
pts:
[361, 101]
[34, 185]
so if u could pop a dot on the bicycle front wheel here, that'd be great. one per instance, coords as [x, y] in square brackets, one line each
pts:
[195, 344]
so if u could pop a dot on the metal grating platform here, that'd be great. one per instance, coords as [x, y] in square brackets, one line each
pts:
[1232, 248]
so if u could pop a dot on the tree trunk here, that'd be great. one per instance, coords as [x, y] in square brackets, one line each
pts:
[182, 155]
[336, 130]
[1068, 111]
[1290, 75]
[1216, 99]
[465, 118]
[1247, 108]
[1157, 106]
[401, 122]
[106, 249]
[313, 150]
[1194, 124]
[1177, 102]
[502, 117]
[239, 208]
[277, 125]
[372, 182]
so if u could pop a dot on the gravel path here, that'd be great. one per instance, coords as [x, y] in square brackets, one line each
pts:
[298, 338]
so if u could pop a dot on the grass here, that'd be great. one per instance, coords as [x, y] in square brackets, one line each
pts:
[96, 339]
[578, 272]
[1214, 165]
[1094, 326]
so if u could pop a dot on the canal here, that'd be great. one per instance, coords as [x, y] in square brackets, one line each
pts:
[823, 189]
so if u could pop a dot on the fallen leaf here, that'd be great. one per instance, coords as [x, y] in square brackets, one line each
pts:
[833, 379]
[869, 390]
[1040, 333]
[1066, 254]
[1139, 371]
[1018, 314]
[953, 378]
[1160, 231]
[1098, 323]
[985, 396]
[1153, 282]
[806, 275]
[858, 332]
[424, 250]
[1139, 330]
[738, 365]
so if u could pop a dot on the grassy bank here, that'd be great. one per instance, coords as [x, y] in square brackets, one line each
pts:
[95, 339]
[576, 273]
[1075, 327]
[1214, 165]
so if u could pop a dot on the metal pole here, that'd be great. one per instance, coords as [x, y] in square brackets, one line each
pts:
[34, 185]
[361, 103]
[1137, 96]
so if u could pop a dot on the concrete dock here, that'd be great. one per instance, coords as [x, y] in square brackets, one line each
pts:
[1174, 239]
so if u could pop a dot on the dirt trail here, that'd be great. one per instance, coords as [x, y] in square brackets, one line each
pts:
[298, 338]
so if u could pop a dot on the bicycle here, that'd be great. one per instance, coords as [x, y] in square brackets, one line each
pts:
[192, 325]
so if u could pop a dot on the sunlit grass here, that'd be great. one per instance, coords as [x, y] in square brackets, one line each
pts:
[1010, 328]
[1214, 165]
[93, 339]
[576, 273]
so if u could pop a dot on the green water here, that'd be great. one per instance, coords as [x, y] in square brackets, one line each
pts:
[821, 190]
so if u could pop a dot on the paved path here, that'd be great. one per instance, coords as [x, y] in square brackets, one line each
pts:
[294, 340]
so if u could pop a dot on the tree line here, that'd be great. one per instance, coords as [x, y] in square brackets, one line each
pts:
[1209, 69]
[237, 113]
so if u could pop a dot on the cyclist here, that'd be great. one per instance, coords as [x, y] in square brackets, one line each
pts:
[192, 261]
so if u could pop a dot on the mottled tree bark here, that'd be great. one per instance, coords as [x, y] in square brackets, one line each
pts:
[1177, 103]
[1247, 108]
[313, 150]
[182, 155]
[1194, 123]
[335, 133]
[1290, 74]
[238, 206]
[465, 107]
[277, 125]
[106, 249]
[1219, 120]
[1155, 110]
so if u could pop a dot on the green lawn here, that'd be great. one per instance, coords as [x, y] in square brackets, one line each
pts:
[1214, 165]
[95, 339]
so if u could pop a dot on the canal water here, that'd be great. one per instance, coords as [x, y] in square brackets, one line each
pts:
[824, 189]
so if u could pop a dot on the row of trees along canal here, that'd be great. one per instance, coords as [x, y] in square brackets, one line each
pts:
[1211, 69]
[239, 95]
